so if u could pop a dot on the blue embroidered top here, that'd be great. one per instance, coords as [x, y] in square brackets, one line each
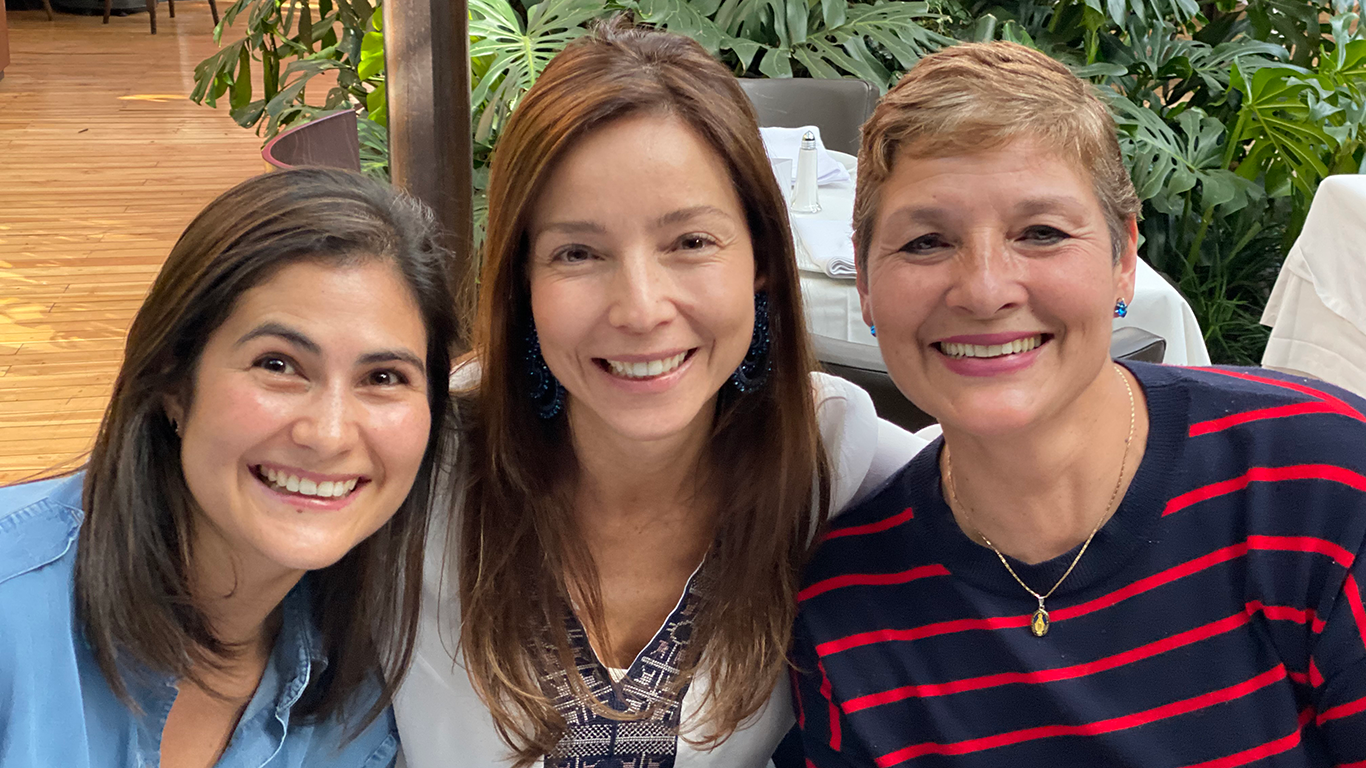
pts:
[56, 709]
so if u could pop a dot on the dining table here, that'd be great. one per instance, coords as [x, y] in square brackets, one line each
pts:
[825, 263]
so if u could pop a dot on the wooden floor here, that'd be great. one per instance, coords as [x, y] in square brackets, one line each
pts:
[103, 161]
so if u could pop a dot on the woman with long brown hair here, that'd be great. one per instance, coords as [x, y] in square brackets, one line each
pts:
[644, 453]
[236, 571]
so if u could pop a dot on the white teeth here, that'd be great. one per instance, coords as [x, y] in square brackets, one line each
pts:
[644, 370]
[306, 487]
[993, 350]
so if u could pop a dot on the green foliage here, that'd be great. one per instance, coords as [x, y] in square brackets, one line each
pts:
[796, 38]
[291, 42]
[508, 54]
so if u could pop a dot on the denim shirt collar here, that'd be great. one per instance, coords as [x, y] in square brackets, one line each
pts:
[296, 658]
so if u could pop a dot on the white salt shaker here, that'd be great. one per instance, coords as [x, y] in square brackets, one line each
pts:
[806, 199]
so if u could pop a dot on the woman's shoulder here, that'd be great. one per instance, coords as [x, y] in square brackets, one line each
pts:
[864, 450]
[1255, 402]
[39, 523]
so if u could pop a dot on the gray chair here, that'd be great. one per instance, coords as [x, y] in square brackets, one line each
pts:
[838, 107]
[329, 141]
[863, 365]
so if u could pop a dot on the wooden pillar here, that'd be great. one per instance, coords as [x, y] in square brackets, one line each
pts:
[426, 44]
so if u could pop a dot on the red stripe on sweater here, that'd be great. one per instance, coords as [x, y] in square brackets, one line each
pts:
[1303, 389]
[871, 580]
[1342, 710]
[797, 702]
[1353, 595]
[829, 693]
[1182, 639]
[1267, 475]
[1288, 613]
[880, 525]
[1050, 675]
[1175, 573]
[1299, 677]
[1124, 722]
[1264, 414]
[1315, 676]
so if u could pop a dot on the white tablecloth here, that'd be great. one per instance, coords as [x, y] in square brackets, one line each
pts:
[832, 306]
[1317, 310]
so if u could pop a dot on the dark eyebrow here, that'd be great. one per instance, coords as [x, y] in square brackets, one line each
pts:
[284, 332]
[308, 345]
[687, 214]
[393, 355]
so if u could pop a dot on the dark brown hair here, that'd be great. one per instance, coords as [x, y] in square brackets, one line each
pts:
[522, 560]
[133, 568]
[977, 96]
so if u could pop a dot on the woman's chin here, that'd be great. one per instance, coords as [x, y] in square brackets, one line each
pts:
[988, 416]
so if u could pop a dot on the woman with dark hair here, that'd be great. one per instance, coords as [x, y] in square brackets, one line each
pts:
[644, 452]
[237, 569]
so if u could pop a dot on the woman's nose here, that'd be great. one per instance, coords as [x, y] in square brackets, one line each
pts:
[986, 278]
[641, 294]
[328, 423]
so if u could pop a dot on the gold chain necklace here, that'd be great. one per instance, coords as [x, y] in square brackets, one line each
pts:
[1039, 622]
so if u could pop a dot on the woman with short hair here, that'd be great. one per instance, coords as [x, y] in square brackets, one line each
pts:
[1098, 564]
[235, 573]
[644, 452]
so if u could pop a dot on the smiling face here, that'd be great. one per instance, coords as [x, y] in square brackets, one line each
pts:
[642, 279]
[992, 284]
[309, 417]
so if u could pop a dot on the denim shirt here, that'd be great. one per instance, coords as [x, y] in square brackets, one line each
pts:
[56, 708]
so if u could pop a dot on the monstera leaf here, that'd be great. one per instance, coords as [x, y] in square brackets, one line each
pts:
[1286, 143]
[1168, 162]
[512, 55]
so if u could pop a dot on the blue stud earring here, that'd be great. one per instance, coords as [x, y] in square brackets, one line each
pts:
[753, 370]
[872, 329]
[1121, 308]
[547, 393]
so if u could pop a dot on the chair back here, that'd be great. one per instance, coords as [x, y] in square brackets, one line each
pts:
[329, 141]
[838, 107]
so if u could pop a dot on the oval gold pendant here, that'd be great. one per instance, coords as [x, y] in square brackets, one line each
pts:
[1039, 624]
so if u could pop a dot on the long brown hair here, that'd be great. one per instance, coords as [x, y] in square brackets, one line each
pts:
[522, 560]
[133, 562]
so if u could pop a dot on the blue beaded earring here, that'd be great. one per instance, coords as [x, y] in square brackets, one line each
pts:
[547, 393]
[872, 329]
[1121, 308]
[753, 370]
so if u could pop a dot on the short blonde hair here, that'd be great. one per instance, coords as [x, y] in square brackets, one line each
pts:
[968, 98]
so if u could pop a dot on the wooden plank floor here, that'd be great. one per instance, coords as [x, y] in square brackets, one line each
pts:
[103, 161]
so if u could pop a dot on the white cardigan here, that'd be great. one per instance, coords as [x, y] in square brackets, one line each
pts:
[443, 724]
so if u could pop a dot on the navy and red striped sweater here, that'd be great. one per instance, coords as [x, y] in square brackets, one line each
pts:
[1216, 620]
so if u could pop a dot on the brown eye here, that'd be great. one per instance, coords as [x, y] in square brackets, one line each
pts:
[925, 244]
[694, 242]
[387, 378]
[1045, 235]
[276, 364]
[572, 254]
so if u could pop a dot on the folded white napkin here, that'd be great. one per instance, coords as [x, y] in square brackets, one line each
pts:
[824, 245]
[786, 142]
